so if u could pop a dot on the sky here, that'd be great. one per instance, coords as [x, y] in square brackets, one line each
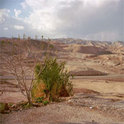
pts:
[85, 19]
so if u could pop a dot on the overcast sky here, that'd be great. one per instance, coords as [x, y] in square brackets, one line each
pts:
[87, 19]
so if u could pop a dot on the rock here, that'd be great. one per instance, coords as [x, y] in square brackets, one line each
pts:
[91, 107]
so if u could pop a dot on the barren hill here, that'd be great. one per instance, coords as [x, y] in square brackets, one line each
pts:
[80, 55]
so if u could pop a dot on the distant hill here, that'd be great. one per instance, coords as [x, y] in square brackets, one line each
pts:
[70, 44]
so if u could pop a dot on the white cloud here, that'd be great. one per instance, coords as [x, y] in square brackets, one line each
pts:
[5, 28]
[43, 16]
[3, 14]
[42, 20]
[23, 4]
[17, 12]
[40, 4]
[18, 27]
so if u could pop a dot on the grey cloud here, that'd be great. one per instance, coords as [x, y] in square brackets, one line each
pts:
[79, 21]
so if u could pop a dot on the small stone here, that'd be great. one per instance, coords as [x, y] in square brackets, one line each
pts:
[91, 107]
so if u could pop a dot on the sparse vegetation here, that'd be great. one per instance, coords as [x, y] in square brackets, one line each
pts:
[51, 80]
[45, 102]
[55, 77]
[14, 64]
[39, 99]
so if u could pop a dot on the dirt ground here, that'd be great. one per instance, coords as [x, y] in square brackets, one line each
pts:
[96, 101]
[60, 113]
[100, 85]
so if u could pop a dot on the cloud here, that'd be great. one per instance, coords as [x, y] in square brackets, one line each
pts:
[5, 28]
[89, 19]
[103, 36]
[18, 27]
[14, 25]
[3, 14]
[17, 12]
[77, 18]
[23, 4]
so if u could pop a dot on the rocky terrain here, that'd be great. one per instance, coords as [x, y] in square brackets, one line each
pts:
[98, 69]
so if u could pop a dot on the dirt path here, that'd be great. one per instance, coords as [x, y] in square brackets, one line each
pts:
[59, 113]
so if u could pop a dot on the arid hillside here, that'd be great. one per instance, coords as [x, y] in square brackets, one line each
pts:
[80, 55]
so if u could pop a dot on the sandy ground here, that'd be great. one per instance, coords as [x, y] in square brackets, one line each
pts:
[102, 86]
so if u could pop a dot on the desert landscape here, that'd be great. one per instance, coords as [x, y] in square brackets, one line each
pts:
[98, 82]
[61, 61]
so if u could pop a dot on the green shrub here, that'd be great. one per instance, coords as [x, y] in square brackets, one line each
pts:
[26, 105]
[2, 42]
[45, 102]
[39, 99]
[55, 78]
[3, 107]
